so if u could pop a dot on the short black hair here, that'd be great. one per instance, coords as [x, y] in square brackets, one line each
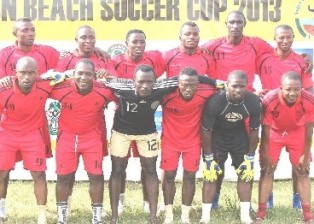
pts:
[134, 31]
[144, 68]
[188, 71]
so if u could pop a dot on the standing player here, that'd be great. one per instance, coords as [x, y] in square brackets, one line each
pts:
[188, 54]
[86, 41]
[23, 131]
[81, 132]
[182, 111]
[45, 56]
[288, 122]
[223, 132]
[271, 67]
[125, 65]
[134, 121]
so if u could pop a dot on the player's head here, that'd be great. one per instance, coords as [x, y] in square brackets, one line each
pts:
[291, 86]
[189, 35]
[236, 86]
[26, 72]
[188, 80]
[86, 40]
[235, 24]
[84, 74]
[24, 31]
[284, 37]
[144, 79]
[136, 43]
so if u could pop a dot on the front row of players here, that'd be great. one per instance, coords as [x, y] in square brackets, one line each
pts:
[230, 124]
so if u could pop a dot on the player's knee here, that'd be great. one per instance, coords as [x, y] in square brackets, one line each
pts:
[170, 176]
[38, 175]
[96, 178]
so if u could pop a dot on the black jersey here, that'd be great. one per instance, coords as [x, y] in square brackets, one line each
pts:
[227, 120]
[135, 116]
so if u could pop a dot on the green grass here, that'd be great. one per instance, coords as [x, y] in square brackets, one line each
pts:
[21, 204]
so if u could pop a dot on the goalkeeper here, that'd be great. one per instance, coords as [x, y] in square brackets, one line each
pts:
[230, 124]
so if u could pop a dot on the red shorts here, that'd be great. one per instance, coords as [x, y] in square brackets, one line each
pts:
[29, 145]
[293, 141]
[70, 146]
[170, 156]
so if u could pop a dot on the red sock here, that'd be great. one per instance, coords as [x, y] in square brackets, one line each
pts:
[307, 214]
[261, 210]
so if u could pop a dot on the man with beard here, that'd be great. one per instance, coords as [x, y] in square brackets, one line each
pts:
[224, 131]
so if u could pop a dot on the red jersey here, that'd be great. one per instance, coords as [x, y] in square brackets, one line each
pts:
[181, 119]
[175, 60]
[229, 57]
[281, 117]
[81, 113]
[45, 56]
[70, 61]
[271, 67]
[24, 112]
[125, 66]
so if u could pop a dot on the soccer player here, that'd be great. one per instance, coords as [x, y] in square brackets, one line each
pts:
[182, 111]
[86, 40]
[24, 132]
[24, 31]
[81, 132]
[125, 65]
[134, 121]
[224, 131]
[271, 67]
[287, 122]
[188, 53]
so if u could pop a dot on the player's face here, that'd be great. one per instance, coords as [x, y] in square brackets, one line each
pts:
[284, 39]
[136, 44]
[86, 40]
[144, 82]
[190, 37]
[236, 89]
[187, 86]
[26, 75]
[25, 33]
[291, 90]
[83, 78]
[235, 24]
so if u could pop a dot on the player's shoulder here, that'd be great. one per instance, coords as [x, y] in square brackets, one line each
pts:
[152, 53]
[307, 96]
[271, 97]
[252, 99]
[45, 47]
[170, 53]
[7, 50]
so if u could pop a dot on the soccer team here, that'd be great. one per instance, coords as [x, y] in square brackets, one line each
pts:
[198, 117]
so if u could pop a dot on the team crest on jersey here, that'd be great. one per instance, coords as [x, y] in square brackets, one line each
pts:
[154, 105]
[116, 49]
[304, 19]
[53, 114]
[233, 117]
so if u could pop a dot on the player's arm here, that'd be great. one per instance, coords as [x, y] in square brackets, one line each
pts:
[305, 159]
[219, 84]
[308, 60]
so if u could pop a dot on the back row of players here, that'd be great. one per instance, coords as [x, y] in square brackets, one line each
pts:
[83, 125]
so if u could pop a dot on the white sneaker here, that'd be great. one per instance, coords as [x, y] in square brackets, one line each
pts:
[247, 220]
[120, 208]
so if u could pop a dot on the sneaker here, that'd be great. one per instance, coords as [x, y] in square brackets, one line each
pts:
[270, 202]
[247, 220]
[120, 208]
[215, 201]
[296, 203]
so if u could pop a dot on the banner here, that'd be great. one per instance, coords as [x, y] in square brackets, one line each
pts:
[160, 19]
